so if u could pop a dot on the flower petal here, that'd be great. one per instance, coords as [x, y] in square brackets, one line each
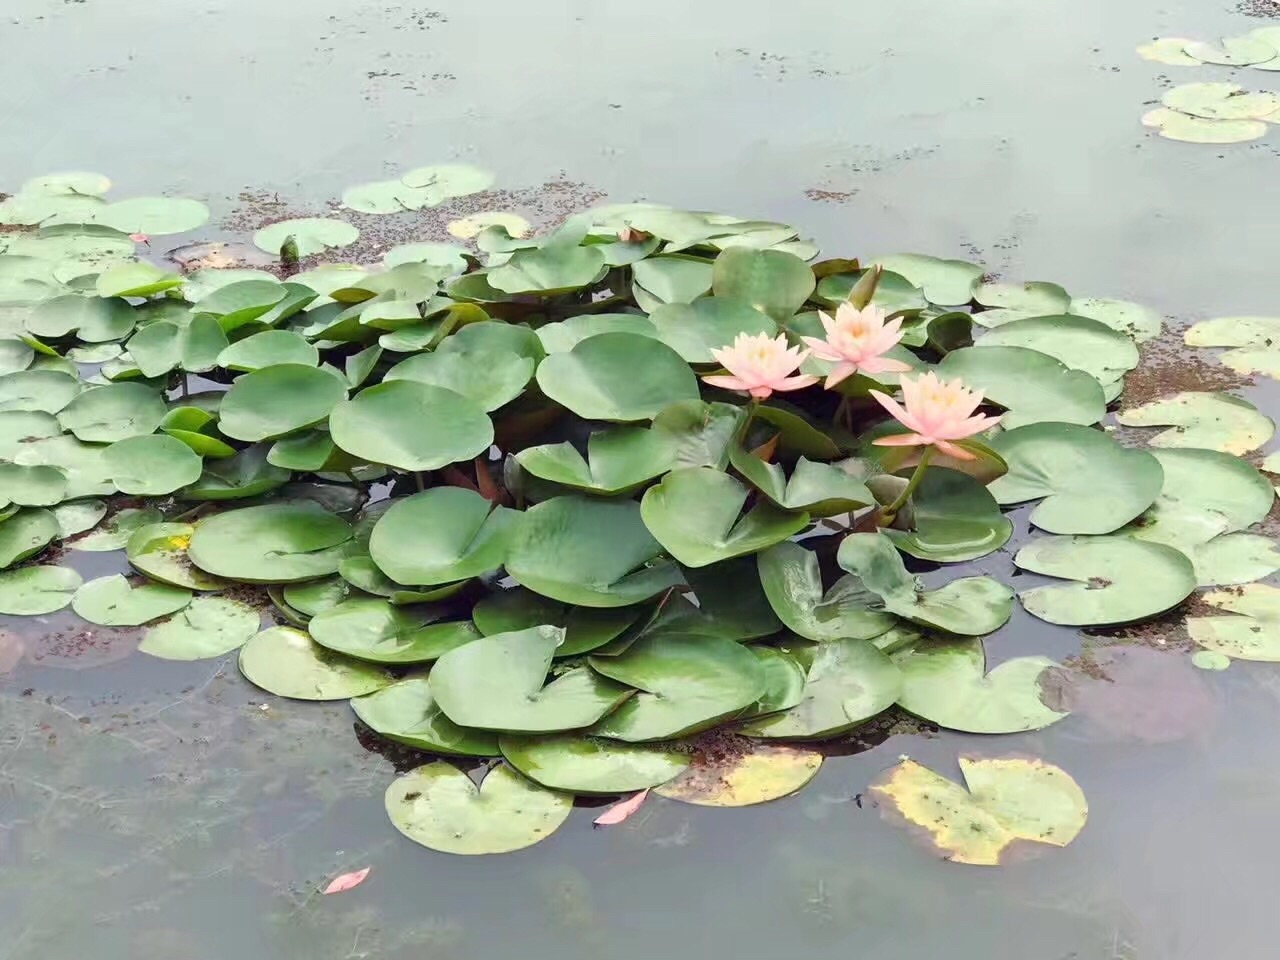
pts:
[842, 372]
[901, 440]
[967, 428]
[794, 383]
[951, 450]
[904, 417]
[884, 365]
[762, 393]
[727, 383]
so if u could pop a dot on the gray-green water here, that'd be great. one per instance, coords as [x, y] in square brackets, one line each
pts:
[152, 809]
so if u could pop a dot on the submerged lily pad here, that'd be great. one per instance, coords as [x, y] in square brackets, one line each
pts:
[618, 460]
[1009, 801]
[1212, 421]
[1117, 579]
[759, 774]
[792, 581]
[115, 602]
[587, 765]
[373, 629]
[1250, 631]
[406, 712]
[439, 807]
[208, 627]
[497, 683]
[440, 536]
[33, 591]
[275, 543]
[286, 662]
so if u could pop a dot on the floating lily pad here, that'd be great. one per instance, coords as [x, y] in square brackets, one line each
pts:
[377, 631]
[208, 627]
[586, 765]
[947, 282]
[311, 235]
[77, 516]
[115, 602]
[1116, 579]
[1090, 484]
[1256, 339]
[1211, 421]
[1132, 319]
[596, 378]
[278, 400]
[731, 600]
[1234, 558]
[773, 282]
[585, 628]
[953, 518]
[154, 465]
[276, 543]
[267, 349]
[32, 486]
[488, 378]
[945, 682]
[693, 330]
[407, 713]
[564, 335]
[847, 683]
[1013, 301]
[439, 807]
[893, 292]
[25, 534]
[1250, 631]
[594, 553]
[68, 183]
[34, 591]
[140, 279]
[784, 681]
[758, 774]
[468, 227]
[1175, 125]
[1169, 50]
[548, 270]
[686, 684]
[1233, 52]
[46, 391]
[440, 536]
[700, 432]
[1009, 801]
[247, 474]
[154, 216]
[971, 606]
[285, 661]
[696, 514]
[312, 596]
[115, 533]
[160, 551]
[1080, 343]
[114, 412]
[499, 683]
[793, 583]
[15, 355]
[1220, 101]
[91, 319]
[1033, 386]
[411, 426]
[818, 489]
[83, 463]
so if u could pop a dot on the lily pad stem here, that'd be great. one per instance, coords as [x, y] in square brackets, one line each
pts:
[890, 512]
[417, 478]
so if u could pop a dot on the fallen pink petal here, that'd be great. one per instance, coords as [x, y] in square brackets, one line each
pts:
[620, 811]
[346, 881]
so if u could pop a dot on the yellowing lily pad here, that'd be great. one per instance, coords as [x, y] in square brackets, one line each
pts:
[1251, 631]
[752, 774]
[468, 228]
[1174, 125]
[1169, 50]
[1211, 421]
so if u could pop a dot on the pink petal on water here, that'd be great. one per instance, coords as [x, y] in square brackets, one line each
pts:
[346, 881]
[620, 811]
[139, 238]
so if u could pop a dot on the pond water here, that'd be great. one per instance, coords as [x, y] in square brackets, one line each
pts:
[151, 809]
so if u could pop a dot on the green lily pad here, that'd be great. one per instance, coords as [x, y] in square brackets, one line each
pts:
[1255, 340]
[140, 279]
[793, 583]
[953, 518]
[894, 293]
[1033, 386]
[361, 572]
[95, 353]
[1234, 558]
[276, 543]
[407, 713]
[312, 596]
[488, 378]
[83, 464]
[311, 235]
[34, 591]
[25, 534]
[773, 282]
[499, 683]
[1234, 51]
[596, 379]
[731, 601]
[46, 391]
[678, 279]
[247, 474]
[784, 680]
[945, 682]
[1010, 801]
[15, 355]
[693, 330]
[761, 774]
[275, 401]
[1211, 421]
[370, 629]
[1080, 343]
[208, 627]
[267, 349]
[92, 319]
[20, 427]
[114, 412]
[585, 628]
[1117, 579]
[548, 270]
[847, 682]
[971, 606]
[1014, 301]
[439, 807]
[593, 553]
[619, 460]
[1090, 484]
[818, 489]
[1132, 319]
[564, 335]
[696, 514]
[154, 465]
[1250, 631]
[186, 424]
[700, 432]
[32, 486]
[244, 301]
[441, 535]
[948, 282]
[285, 661]
[77, 516]
[159, 550]
[436, 254]
[686, 684]
[586, 765]
[154, 216]
[115, 602]
[115, 533]
[411, 426]
[69, 183]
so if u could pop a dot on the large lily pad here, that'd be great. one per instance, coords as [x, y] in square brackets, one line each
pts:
[439, 807]
[489, 378]
[32, 486]
[310, 235]
[952, 518]
[773, 282]
[114, 412]
[1080, 343]
[693, 330]
[1211, 421]
[1014, 301]
[276, 543]
[554, 268]
[375, 630]
[618, 460]
[246, 474]
[1009, 801]
[1033, 386]
[154, 465]
[34, 591]
[1090, 484]
[208, 627]
[792, 581]
[945, 682]
[91, 319]
[406, 712]
[971, 606]
[585, 628]
[160, 551]
[286, 662]
[47, 391]
[1117, 579]
[1132, 319]
[696, 513]
[1251, 628]
[762, 773]
[847, 682]
[440, 536]
[113, 601]
[154, 216]
[818, 489]
[499, 683]
[411, 426]
[25, 534]
[594, 553]
[597, 381]
[587, 765]
[1234, 558]
[275, 401]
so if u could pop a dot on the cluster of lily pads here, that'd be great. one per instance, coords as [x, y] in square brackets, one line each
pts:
[495, 504]
[1258, 48]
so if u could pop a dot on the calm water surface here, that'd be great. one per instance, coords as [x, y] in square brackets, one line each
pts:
[162, 810]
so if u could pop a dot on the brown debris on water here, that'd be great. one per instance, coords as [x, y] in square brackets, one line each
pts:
[1167, 366]
[1264, 9]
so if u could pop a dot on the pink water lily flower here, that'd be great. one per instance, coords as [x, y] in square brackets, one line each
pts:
[937, 412]
[856, 341]
[760, 365]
